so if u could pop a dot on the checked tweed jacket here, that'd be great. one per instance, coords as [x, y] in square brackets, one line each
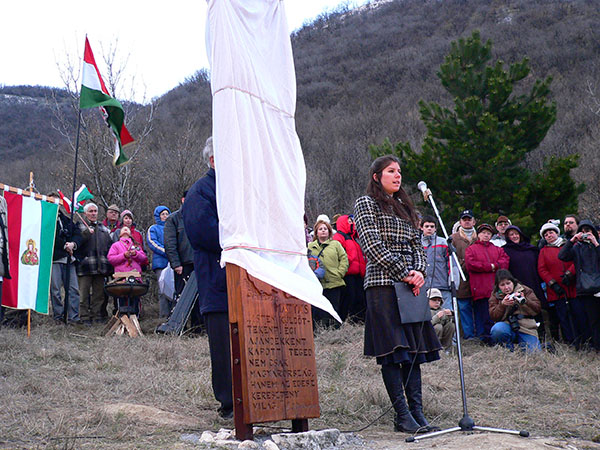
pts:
[392, 245]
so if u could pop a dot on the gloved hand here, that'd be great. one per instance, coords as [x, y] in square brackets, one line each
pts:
[567, 278]
[558, 289]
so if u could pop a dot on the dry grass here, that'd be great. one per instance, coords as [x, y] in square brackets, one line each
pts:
[55, 385]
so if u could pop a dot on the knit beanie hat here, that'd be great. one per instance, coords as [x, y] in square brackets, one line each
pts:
[548, 226]
[126, 212]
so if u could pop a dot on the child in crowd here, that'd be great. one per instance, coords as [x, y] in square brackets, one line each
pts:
[441, 319]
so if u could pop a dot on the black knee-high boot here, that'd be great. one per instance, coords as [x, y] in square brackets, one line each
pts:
[392, 378]
[414, 394]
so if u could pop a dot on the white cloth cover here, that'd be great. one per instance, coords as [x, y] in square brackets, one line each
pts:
[259, 164]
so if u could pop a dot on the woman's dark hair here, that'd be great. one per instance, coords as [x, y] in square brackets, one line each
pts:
[400, 203]
[504, 274]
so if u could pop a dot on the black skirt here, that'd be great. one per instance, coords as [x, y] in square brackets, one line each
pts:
[391, 341]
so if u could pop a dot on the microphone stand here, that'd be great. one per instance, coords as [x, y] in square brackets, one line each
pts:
[465, 423]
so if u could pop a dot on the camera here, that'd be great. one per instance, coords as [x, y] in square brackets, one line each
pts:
[517, 297]
[585, 237]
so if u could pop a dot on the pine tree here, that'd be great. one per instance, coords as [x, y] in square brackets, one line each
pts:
[473, 155]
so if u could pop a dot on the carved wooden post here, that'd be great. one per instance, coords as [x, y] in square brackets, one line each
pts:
[273, 356]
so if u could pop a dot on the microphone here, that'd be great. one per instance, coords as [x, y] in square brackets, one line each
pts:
[422, 186]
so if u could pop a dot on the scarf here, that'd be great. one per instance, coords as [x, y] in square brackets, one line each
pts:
[557, 243]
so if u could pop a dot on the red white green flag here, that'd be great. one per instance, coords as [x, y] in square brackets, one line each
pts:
[95, 94]
[31, 229]
[81, 195]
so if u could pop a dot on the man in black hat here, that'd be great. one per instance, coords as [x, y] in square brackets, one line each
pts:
[465, 236]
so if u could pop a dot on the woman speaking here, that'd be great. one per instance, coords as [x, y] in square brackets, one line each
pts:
[387, 224]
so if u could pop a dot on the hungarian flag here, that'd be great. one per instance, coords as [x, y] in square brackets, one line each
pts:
[94, 93]
[31, 229]
[81, 195]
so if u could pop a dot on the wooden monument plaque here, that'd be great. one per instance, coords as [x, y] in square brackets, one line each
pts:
[273, 356]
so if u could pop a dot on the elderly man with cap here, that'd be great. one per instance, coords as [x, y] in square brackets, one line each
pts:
[93, 265]
[499, 239]
[441, 318]
[584, 250]
[482, 260]
[112, 218]
[461, 239]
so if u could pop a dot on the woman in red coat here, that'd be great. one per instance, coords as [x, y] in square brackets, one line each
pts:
[559, 277]
[353, 303]
[483, 259]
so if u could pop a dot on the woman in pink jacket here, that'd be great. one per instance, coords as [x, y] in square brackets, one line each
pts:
[126, 255]
[483, 259]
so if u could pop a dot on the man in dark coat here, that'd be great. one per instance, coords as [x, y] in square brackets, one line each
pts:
[66, 241]
[180, 255]
[584, 250]
[202, 228]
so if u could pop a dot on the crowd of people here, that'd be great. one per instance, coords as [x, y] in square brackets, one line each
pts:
[508, 291]
[88, 252]
[557, 280]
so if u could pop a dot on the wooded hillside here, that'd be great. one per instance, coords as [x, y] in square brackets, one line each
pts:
[360, 76]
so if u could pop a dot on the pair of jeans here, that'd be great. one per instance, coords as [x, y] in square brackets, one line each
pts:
[447, 300]
[465, 309]
[58, 281]
[483, 322]
[502, 334]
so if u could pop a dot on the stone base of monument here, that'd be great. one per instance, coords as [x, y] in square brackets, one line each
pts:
[314, 440]
[273, 356]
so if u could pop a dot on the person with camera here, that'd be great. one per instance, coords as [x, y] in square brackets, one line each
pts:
[513, 307]
[584, 250]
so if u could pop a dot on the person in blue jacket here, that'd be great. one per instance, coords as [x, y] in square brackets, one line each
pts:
[201, 223]
[156, 242]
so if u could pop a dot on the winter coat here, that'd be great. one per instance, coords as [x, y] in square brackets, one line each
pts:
[93, 251]
[202, 228]
[525, 312]
[551, 269]
[461, 242]
[177, 245]
[479, 258]
[334, 260]
[4, 265]
[391, 245]
[138, 237]
[113, 227]
[116, 256]
[586, 258]
[438, 262]
[524, 263]
[348, 237]
[156, 240]
[63, 236]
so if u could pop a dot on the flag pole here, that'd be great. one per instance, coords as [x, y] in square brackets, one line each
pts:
[71, 224]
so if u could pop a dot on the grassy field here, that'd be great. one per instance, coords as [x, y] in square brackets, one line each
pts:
[70, 388]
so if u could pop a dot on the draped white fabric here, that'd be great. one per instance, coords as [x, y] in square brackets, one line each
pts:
[260, 168]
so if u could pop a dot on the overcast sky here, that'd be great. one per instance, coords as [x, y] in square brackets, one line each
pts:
[163, 40]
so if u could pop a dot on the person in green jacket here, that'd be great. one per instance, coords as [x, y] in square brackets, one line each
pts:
[336, 264]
